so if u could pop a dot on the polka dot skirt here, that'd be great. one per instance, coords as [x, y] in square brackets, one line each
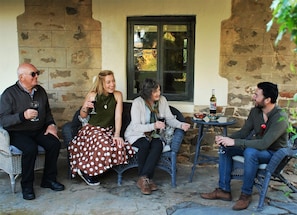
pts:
[93, 151]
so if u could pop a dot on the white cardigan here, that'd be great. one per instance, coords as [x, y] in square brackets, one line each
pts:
[138, 126]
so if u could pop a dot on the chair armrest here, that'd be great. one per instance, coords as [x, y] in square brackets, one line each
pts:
[178, 133]
[177, 139]
[177, 113]
[277, 160]
[4, 142]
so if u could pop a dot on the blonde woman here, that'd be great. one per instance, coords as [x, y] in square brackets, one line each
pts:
[98, 145]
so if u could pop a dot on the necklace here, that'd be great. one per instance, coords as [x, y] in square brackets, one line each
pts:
[106, 101]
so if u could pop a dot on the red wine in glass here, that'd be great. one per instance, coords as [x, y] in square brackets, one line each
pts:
[93, 109]
[34, 105]
[160, 118]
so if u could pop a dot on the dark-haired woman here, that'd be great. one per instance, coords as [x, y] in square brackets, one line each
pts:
[143, 129]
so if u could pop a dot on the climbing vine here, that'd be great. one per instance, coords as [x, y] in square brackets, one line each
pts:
[284, 13]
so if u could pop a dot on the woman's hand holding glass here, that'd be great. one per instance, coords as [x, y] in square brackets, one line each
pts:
[159, 125]
[88, 104]
[93, 101]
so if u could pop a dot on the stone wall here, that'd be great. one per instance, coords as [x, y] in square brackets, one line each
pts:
[249, 56]
[62, 40]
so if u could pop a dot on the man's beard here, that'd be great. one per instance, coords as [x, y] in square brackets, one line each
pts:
[259, 106]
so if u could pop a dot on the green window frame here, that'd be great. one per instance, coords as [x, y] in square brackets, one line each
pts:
[162, 48]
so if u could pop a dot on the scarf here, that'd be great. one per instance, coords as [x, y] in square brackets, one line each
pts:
[153, 118]
[154, 111]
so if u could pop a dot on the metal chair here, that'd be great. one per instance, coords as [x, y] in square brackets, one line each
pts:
[266, 172]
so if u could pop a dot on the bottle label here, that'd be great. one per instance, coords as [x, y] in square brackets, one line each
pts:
[213, 106]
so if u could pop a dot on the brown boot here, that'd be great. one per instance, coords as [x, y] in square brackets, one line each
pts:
[143, 185]
[153, 186]
[243, 202]
[217, 194]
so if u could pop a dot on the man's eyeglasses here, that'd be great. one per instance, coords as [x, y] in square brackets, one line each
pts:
[33, 74]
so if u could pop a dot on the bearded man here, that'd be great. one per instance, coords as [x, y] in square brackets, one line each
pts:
[266, 127]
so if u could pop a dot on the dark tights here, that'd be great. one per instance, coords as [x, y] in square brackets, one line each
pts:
[149, 153]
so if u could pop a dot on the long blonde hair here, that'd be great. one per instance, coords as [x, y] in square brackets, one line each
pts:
[97, 86]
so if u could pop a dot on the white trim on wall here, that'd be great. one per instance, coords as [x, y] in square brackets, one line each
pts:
[9, 55]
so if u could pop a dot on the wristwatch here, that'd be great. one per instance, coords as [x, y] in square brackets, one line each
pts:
[53, 125]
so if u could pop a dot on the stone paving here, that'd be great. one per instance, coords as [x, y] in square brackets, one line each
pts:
[109, 198]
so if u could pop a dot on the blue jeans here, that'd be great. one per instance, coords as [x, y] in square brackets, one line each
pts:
[252, 159]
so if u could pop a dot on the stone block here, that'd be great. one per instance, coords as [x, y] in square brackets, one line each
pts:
[229, 111]
[34, 38]
[43, 57]
[81, 57]
[86, 24]
[42, 18]
[72, 80]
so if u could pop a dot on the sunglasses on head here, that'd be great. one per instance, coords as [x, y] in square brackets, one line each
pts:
[33, 74]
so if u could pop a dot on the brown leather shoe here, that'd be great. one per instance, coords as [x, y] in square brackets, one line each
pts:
[153, 186]
[217, 194]
[143, 185]
[243, 202]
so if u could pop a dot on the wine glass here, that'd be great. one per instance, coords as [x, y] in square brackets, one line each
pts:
[221, 149]
[34, 105]
[93, 100]
[220, 133]
[161, 118]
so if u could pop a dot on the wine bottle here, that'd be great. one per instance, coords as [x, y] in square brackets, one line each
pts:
[213, 103]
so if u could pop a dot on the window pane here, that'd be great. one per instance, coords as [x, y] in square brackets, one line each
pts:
[140, 77]
[145, 47]
[175, 47]
[174, 83]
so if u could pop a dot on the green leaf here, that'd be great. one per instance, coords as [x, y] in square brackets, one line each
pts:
[294, 136]
[274, 4]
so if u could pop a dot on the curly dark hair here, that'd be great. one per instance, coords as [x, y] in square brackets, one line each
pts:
[147, 88]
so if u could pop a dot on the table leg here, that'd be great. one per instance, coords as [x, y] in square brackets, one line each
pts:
[197, 152]
[225, 131]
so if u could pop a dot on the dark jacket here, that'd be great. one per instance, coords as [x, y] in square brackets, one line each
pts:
[15, 100]
[270, 135]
